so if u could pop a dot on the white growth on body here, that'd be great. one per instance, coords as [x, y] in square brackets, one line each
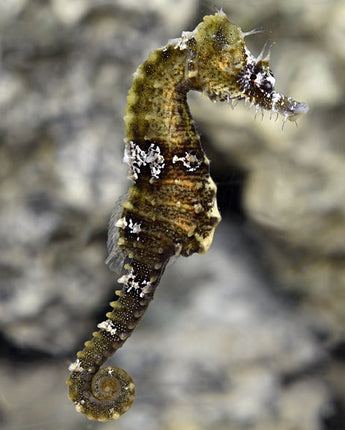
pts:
[136, 158]
[108, 326]
[76, 366]
[190, 161]
[131, 284]
[181, 42]
[134, 227]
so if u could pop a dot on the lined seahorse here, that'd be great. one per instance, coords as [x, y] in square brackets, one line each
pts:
[171, 207]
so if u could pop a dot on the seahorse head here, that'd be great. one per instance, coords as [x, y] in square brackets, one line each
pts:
[220, 65]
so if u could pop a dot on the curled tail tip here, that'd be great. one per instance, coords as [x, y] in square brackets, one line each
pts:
[111, 394]
[104, 394]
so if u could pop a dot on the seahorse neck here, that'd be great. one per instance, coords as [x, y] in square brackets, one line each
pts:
[157, 101]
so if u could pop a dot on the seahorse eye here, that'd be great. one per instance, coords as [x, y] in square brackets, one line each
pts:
[261, 79]
[267, 85]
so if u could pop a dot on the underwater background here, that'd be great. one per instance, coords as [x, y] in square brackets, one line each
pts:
[250, 335]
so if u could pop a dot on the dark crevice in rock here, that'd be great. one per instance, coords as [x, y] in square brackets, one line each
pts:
[338, 352]
[17, 353]
[333, 416]
[230, 180]
[314, 368]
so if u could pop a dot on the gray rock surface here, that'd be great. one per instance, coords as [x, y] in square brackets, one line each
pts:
[294, 193]
[215, 350]
[222, 346]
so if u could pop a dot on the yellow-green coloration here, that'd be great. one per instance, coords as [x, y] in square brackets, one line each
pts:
[171, 208]
[105, 394]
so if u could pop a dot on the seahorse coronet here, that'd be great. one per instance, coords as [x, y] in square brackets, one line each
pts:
[171, 206]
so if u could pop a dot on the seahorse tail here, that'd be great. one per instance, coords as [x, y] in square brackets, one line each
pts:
[106, 393]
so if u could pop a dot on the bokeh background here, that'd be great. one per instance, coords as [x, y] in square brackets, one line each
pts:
[250, 335]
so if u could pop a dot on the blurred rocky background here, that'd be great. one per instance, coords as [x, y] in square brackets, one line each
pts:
[249, 336]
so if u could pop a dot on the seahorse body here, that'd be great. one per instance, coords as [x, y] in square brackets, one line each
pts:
[171, 207]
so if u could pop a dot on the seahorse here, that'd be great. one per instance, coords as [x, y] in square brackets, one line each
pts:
[171, 206]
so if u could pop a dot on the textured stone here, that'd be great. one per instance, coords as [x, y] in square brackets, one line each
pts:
[294, 188]
[220, 347]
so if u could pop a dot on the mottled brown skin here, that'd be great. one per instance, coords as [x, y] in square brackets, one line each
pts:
[166, 205]
[100, 403]
[171, 209]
